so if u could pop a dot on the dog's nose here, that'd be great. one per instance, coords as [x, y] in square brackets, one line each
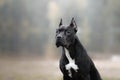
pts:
[59, 36]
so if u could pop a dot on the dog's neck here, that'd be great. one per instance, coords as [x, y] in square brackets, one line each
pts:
[73, 48]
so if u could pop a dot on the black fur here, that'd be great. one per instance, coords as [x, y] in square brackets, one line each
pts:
[87, 70]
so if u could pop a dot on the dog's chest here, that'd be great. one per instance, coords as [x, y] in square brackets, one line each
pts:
[71, 64]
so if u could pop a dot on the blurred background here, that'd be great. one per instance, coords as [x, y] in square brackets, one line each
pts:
[27, 36]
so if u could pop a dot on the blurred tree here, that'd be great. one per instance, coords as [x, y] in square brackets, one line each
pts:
[28, 26]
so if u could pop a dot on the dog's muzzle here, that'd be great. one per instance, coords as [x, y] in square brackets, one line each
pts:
[59, 42]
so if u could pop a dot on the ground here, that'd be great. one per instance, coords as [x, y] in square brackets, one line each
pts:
[40, 69]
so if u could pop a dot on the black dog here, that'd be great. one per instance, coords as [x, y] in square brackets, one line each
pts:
[75, 64]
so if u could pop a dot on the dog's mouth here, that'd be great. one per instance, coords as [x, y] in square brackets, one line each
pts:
[59, 43]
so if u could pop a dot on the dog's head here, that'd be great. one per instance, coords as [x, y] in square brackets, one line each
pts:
[65, 35]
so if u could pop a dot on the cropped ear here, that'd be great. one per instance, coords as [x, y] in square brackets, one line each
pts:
[60, 22]
[73, 24]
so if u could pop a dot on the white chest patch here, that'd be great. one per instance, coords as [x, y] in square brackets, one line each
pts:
[71, 64]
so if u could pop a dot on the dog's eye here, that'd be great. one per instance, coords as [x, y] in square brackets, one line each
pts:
[67, 32]
[57, 31]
